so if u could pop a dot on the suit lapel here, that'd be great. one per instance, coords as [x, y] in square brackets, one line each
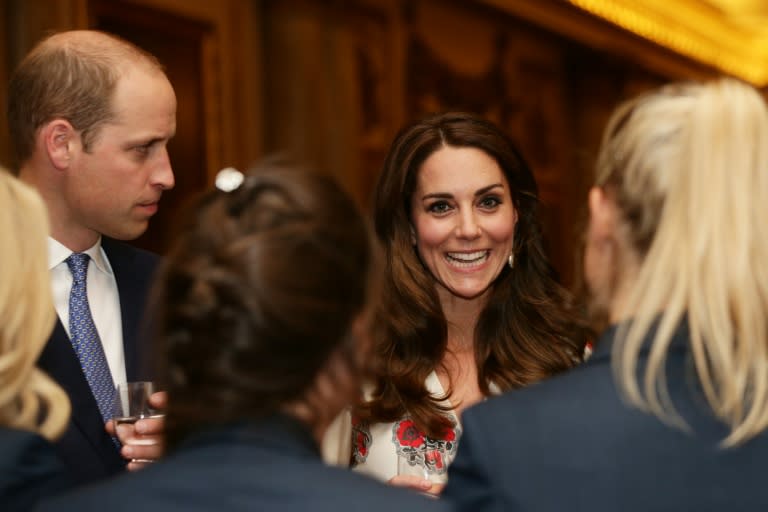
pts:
[60, 361]
[121, 262]
[133, 275]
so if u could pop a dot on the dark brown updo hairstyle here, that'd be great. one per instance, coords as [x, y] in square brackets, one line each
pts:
[529, 329]
[258, 291]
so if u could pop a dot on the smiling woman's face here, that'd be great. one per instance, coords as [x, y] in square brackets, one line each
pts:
[463, 220]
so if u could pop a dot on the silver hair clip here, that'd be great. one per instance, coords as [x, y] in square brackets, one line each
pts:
[228, 179]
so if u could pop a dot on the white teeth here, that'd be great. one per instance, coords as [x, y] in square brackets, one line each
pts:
[467, 257]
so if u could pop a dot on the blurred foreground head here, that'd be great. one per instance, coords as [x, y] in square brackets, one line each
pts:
[264, 303]
[678, 235]
[29, 398]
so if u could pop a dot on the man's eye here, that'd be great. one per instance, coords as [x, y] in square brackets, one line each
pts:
[144, 149]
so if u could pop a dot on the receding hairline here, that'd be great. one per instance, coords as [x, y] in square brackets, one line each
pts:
[97, 44]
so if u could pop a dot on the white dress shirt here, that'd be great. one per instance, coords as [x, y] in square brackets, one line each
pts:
[103, 298]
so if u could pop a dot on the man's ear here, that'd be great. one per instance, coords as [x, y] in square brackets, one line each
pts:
[59, 138]
[602, 214]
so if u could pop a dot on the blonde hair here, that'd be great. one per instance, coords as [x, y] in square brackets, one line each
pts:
[29, 399]
[687, 166]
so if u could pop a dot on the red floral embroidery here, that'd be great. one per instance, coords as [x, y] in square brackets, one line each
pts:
[409, 435]
[434, 459]
[362, 449]
[361, 441]
[588, 349]
[421, 450]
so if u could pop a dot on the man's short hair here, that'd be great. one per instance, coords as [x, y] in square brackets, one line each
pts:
[72, 76]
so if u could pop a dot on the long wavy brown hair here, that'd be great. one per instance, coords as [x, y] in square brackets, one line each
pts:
[528, 330]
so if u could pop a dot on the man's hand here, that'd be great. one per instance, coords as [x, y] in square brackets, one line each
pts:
[143, 442]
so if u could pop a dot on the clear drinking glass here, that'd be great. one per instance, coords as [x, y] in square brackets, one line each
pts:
[131, 405]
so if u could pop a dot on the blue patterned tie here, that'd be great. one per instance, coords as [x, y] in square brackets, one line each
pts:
[85, 338]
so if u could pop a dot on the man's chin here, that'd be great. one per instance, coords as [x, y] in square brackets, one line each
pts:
[127, 235]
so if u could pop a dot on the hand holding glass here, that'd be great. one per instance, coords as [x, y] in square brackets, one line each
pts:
[132, 404]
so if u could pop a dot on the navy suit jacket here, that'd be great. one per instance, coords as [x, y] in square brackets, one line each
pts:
[29, 470]
[85, 447]
[274, 465]
[571, 443]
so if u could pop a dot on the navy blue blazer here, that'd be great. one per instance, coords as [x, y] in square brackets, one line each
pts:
[85, 447]
[274, 465]
[571, 443]
[29, 470]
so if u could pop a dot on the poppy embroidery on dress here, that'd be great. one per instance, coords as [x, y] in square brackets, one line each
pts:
[588, 348]
[361, 441]
[422, 450]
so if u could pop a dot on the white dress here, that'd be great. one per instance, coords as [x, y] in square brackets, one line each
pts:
[375, 449]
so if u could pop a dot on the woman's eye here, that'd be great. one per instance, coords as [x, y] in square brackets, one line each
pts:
[439, 207]
[490, 202]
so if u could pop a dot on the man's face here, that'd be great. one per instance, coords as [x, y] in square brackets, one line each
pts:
[114, 188]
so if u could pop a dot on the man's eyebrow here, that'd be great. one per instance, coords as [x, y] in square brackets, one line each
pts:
[148, 141]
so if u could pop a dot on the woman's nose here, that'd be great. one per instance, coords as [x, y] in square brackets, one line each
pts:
[468, 227]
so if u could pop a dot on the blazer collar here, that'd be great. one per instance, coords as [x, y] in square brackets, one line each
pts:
[605, 342]
[280, 431]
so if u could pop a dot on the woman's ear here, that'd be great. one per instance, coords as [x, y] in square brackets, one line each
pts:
[599, 262]
[602, 214]
[58, 138]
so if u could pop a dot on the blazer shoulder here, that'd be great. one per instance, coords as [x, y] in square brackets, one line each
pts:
[29, 469]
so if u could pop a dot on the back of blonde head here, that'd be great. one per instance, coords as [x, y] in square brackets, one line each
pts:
[688, 168]
[27, 314]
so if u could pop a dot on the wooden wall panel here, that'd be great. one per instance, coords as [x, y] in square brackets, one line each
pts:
[332, 81]
[330, 86]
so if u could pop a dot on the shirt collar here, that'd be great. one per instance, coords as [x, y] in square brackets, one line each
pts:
[57, 253]
[604, 345]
